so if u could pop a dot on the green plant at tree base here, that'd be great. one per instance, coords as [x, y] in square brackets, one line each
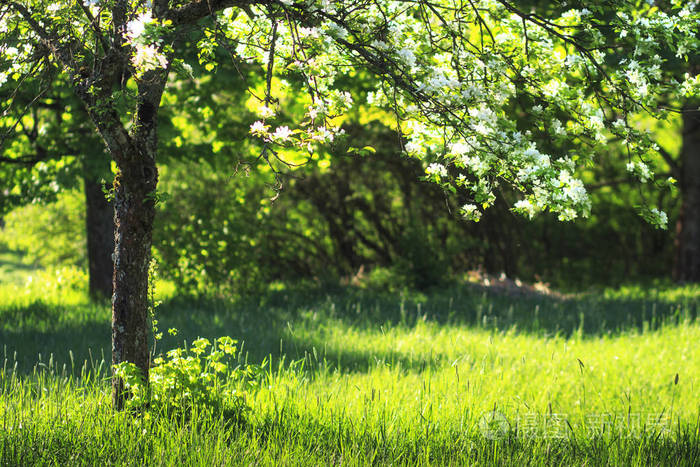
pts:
[202, 376]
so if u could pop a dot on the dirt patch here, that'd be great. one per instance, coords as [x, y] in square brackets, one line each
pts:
[513, 287]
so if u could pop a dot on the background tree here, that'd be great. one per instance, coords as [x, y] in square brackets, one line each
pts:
[53, 147]
[687, 264]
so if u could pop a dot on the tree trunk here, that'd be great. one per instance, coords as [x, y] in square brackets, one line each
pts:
[133, 219]
[687, 264]
[99, 217]
[134, 211]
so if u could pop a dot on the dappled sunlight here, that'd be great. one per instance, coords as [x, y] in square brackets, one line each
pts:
[459, 368]
[396, 374]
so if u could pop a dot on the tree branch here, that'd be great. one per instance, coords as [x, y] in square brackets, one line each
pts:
[198, 9]
[628, 180]
[673, 164]
[94, 25]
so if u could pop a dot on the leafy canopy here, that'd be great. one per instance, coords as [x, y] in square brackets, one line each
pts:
[453, 72]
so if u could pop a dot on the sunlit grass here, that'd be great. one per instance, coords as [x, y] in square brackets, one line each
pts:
[360, 378]
[14, 269]
[658, 291]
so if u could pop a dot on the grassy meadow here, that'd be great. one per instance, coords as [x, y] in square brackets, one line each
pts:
[456, 376]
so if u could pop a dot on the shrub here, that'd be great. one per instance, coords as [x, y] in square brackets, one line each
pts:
[202, 376]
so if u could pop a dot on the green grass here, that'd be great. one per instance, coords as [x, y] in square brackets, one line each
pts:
[360, 377]
[14, 268]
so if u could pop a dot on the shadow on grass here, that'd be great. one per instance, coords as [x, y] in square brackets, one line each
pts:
[39, 333]
[13, 269]
[13, 259]
[263, 323]
[11, 265]
[70, 346]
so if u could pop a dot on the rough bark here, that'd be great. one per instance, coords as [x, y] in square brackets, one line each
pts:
[134, 212]
[687, 263]
[99, 217]
[133, 220]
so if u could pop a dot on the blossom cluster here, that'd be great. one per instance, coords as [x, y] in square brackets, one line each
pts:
[143, 35]
[484, 94]
[454, 96]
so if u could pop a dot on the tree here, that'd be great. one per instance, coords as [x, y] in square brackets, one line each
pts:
[99, 226]
[56, 147]
[449, 70]
[687, 264]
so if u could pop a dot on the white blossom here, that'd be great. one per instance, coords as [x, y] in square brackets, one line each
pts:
[266, 112]
[524, 206]
[136, 27]
[282, 133]
[258, 128]
[148, 57]
[406, 56]
[436, 169]
[641, 170]
[471, 212]
[659, 218]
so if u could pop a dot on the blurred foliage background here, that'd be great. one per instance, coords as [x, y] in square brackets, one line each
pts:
[226, 223]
